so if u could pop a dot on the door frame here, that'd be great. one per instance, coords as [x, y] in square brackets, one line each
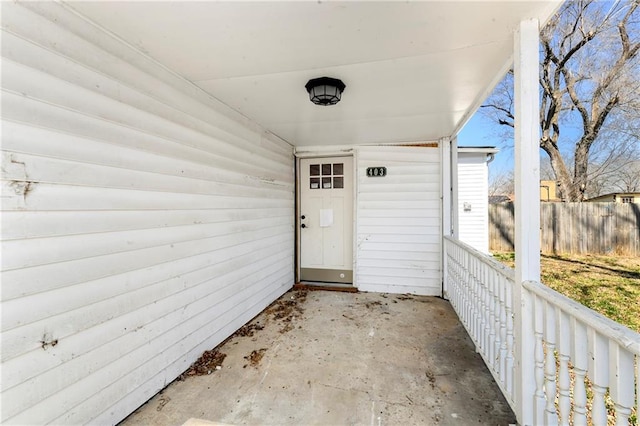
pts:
[311, 155]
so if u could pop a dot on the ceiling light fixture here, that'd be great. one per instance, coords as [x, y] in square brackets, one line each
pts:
[325, 90]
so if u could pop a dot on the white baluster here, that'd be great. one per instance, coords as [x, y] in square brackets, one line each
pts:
[467, 292]
[464, 283]
[495, 314]
[539, 306]
[509, 311]
[482, 309]
[453, 296]
[474, 301]
[499, 336]
[459, 290]
[599, 375]
[456, 276]
[564, 380]
[620, 364]
[502, 283]
[454, 281]
[550, 417]
[489, 317]
[477, 312]
[457, 285]
[579, 355]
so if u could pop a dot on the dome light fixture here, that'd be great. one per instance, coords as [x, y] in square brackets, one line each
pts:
[325, 90]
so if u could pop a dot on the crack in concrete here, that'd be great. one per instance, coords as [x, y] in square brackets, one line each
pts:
[346, 389]
[412, 404]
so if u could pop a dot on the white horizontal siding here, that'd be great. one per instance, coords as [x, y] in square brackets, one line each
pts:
[473, 189]
[398, 236]
[142, 221]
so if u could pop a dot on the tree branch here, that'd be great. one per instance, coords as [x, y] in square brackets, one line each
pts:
[506, 111]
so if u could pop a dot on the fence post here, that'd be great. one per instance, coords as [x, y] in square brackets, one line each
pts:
[527, 212]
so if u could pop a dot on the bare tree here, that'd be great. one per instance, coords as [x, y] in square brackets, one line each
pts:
[501, 183]
[623, 176]
[629, 178]
[590, 75]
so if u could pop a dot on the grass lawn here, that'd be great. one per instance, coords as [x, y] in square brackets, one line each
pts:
[609, 285]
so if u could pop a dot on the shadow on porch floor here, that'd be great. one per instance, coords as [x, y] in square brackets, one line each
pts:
[340, 358]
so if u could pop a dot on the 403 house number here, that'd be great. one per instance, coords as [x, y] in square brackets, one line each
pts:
[376, 171]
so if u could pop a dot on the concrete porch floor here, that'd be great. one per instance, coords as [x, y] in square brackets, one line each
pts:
[337, 358]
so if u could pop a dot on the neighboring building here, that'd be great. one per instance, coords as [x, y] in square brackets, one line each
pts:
[617, 197]
[549, 191]
[473, 195]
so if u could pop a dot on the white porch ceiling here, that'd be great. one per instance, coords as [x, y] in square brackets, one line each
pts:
[414, 71]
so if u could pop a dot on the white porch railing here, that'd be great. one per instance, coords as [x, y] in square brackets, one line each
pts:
[586, 366]
[479, 289]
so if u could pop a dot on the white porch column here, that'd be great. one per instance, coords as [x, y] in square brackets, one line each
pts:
[527, 211]
[455, 227]
[445, 175]
[445, 213]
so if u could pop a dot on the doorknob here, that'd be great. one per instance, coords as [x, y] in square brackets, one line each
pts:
[303, 226]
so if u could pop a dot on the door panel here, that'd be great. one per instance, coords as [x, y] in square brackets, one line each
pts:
[326, 219]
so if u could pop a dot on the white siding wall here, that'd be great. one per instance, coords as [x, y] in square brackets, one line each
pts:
[399, 234]
[143, 222]
[473, 191]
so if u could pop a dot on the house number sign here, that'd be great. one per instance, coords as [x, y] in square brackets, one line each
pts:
[376, 171]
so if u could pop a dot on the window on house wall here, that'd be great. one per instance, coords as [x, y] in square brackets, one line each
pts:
[628, 199]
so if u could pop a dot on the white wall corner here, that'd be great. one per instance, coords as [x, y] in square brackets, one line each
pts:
[356, 215]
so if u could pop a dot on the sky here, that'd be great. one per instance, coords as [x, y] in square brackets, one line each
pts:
[481, 131]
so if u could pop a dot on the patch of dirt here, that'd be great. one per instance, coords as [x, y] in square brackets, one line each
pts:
[287, 328]
[255, 357]
[208, 362]
[248, 330]
[404, 297]
[282, 310]
[369, 305]
[432, 378]
[286, 308]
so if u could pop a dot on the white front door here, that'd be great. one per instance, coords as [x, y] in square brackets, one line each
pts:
[326, 219]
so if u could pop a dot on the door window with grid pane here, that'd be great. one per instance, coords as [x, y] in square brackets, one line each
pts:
[326, 176]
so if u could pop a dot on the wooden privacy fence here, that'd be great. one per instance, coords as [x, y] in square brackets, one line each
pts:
[597, 228]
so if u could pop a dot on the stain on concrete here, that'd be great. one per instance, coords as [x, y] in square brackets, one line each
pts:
[255, 357]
